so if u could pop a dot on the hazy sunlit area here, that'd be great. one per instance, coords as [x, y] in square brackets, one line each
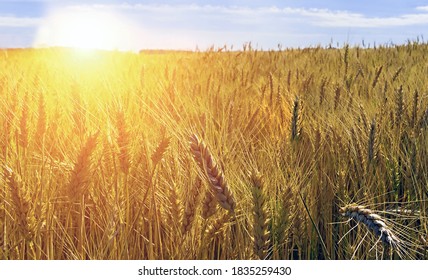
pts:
[86, 29]
[213, 130]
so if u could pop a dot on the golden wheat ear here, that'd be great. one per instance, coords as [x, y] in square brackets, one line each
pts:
[19, 202]
[81, 171]
[374, 222]
[261, 232]
[215, 176]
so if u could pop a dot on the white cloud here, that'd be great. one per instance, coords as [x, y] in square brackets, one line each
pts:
[13, 21]
[316, 17]
[422, 8]
[328, 18]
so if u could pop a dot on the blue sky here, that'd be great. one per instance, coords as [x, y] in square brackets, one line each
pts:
[185, 24]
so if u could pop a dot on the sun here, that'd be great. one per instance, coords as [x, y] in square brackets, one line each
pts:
[85, 29]
[87, 33]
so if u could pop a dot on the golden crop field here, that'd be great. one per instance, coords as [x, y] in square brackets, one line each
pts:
[311, 153]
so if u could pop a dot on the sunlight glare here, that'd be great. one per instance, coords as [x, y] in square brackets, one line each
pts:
[86, 29]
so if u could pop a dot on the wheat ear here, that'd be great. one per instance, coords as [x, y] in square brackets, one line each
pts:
[19, 202]
[190, 207]
[261, 232]
[123, 141]
[209, 205]
[373, 221]
[23, 127]
[215, 176]
[41, 120]
[81, 171]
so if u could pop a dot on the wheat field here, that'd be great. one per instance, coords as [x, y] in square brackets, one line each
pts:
[315, 153]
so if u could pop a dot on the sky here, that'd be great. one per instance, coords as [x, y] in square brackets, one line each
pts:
[187, 24]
